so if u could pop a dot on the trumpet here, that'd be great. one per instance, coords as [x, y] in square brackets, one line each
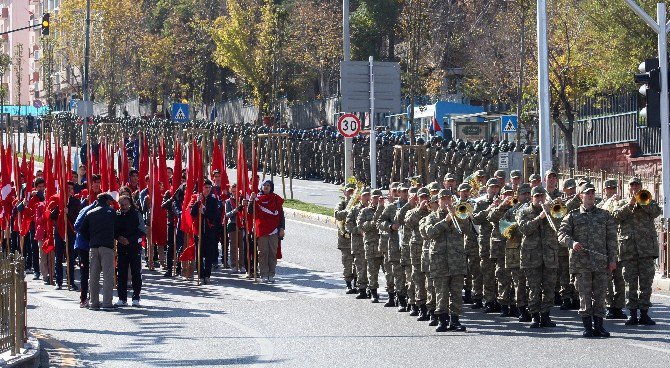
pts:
[643, 197]
[463, 210]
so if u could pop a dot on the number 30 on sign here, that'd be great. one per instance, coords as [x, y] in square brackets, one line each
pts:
[349, 125]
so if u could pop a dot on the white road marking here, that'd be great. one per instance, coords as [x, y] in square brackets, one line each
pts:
[267, 350]
[310, 224]
[661, 296]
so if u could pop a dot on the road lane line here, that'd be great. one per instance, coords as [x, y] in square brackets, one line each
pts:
[310, 224]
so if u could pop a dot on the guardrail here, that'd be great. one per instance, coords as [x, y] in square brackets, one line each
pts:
[13, 332]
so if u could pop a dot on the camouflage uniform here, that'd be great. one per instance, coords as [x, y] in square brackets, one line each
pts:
[395, 275]
[412, 221]
[638, 247]
[425, 266]
[597, 230]
[616, 286]
[357, 247]
[480, 217]
[513, 260]
[344, 241]
[366, 222]
[405, 263]
[498, 252]
[473, 276]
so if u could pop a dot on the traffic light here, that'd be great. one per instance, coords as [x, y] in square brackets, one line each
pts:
[45, 24]
[650, 78]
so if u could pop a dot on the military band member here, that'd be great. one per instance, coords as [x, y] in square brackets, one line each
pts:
[357, 246]
[473, 276]
[565, 285]
[516, 178]
[427, 313]
[366, 222]
[513, 255]
[405, 263]
[412, 221]
[590, 234]
[450, 182]
[501, 176]
[480, 217]
[535, 180]
[498, 246]
[539, 257]
[638, 247]
[384, 237]
[344, 238]
[551, 184]
[616, 286]
[388, 222]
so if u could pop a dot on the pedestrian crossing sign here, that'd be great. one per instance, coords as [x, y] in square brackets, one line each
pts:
[180, 112]
[509, 124]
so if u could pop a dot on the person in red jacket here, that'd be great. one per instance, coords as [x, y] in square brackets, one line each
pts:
[268, 228]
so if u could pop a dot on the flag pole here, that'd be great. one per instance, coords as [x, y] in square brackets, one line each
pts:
[253, 225]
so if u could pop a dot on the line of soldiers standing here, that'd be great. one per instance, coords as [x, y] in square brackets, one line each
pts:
[515, 248]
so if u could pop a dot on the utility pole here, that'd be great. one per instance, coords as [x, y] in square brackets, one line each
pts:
[661, 28]
[346, 46]
[543, 87]
[87, 54]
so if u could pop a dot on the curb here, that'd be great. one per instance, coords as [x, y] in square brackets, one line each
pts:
[29, 355]
[289, 212]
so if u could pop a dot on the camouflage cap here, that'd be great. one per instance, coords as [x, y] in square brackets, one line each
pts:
[480, 173]
[403, 187]
[423, 192]
[413, 190]
[515, 174]
[377, 193]
[507, 189]
[583, 181]
[492, 182]
[537, 191]
[394, 185]
[524, 188]
[449, 176]
[444, 193]
[569, 184]
[433, 186]
[635, 179]
[549, 172]
[534, 177]
[464, 186]
[611, 183]
[587, 187]
[500, 174]
[434, 198]
[366, 190]
[350, 186]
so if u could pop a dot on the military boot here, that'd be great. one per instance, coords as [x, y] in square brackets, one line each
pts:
[423, 313]
[598, 329]
[524, 316]
[433, 318]
[489, 307]
[504, 311]
[557, 298]
[443, 326]
[455, 324]
[566, 305]
[414, 310]
[632, 320]
[477, 304]
[514, 311]
[362, 294]
[536, 320]
[350, 289]
[375, 297]
[588, 327]
[391, 301]
[467, 298]
[575, 304]
[545, 320]
[615, 313]
[402, 303]
[645, 319]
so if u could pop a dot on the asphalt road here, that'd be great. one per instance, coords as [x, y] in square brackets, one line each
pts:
[306, 320]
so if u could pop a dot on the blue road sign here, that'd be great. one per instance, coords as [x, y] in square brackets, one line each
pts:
[509, 124]
[180, 112]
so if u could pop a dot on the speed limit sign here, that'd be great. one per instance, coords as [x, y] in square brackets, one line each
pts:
[349, 125]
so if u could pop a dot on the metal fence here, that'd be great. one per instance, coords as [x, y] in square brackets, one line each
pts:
[599, 130]
[13, 332]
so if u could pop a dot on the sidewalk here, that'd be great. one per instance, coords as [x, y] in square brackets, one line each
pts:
[28, 356]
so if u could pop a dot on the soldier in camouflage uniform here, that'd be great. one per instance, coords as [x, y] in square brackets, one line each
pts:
[473, 276]
[566, 283]
[344, 239]
[480, 217]
[513, 255]
[616, 286]
[638, 247]
[590, 234]
[498, 250]
[412, 222]
[534, 180]
[429, 307]
[388, 223]
[357, 245]
[447, 261]
[539, 257]
[405, 263]
[384, 238]
[366, 221]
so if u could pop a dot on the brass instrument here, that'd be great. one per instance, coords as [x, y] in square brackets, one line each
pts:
[643, 197]
[414, 181]
[353, 201]
[474, 183]
[453, 220]
[463, 210]
[507, 227]
[558, 210]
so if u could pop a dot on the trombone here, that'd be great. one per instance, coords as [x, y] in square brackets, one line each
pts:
[557, 211]
[643, 197]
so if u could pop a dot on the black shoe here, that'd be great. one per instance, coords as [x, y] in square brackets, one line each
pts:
[598, 329]
[504, 311]
[391, 301]
[203, 281]
[423, 313]
[433, 318]
[477, 304]
[588, 327]
[545, 320]
[524, 316]
[632, 320]
[617, 313]
[575, 304]
[455, 324]
[566, 305]
[467, 297]
[414, 310]
[362, 294]
[168, 273]
[375, 297]
[496, 307]
[368, 294]
[402, 303]
[557, 298]
[645, 319]
[489, 307]
[37, 276]
[59, 287]
[73, 287]
[443, 324]
[514, 311]
[350, 289]
[536, 321]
